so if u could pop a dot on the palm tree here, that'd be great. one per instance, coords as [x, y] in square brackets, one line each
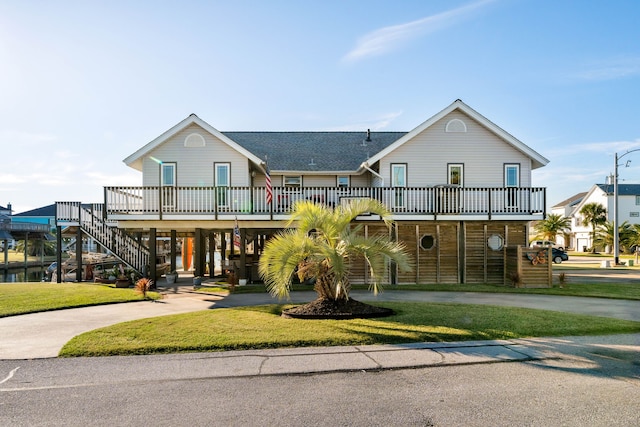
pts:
[37, 247]
[604, 234]
[321, 246]
[593, 214]
[633, 243]
[549, 228]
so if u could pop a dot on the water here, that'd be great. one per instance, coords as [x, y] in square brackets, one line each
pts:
[30, 274]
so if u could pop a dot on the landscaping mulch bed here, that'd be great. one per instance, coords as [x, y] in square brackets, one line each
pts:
[342, 309]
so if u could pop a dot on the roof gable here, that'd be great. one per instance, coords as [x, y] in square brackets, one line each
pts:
[571, 201]
[135, 159]
[537, 160]
[324, 152]
[45, 211]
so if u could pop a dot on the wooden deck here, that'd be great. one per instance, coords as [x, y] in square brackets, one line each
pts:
[212, 203]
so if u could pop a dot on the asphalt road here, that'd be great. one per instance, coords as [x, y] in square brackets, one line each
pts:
[591, 381]
[581, 381]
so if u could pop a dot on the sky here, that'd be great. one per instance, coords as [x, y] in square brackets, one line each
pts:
[84, 84]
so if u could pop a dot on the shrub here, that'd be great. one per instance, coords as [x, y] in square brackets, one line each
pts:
[143, 285]
[516, 279]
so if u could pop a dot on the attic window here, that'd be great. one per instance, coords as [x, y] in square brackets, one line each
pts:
[455, 125]
[194, 140]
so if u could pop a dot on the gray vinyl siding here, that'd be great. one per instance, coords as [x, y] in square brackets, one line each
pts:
[332, 180]
[482, 153]
[314, 180]
[194, 165]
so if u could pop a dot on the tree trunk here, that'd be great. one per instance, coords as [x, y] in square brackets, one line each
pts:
[326, 286]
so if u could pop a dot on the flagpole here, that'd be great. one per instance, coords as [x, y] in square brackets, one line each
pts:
[268, 185]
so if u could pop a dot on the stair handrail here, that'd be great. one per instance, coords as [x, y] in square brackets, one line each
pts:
[124, 247]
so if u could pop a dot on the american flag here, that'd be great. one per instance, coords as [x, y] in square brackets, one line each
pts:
[236, 235]
[268, 184]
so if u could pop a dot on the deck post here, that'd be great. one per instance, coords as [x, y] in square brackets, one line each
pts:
[79, 253]
[197, 259]
[212, 252]
[59, 254]
[173, 250]
[153, 249]
[243, 255]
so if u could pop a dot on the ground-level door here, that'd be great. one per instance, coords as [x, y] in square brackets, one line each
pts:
[484, 254]
[435, 248]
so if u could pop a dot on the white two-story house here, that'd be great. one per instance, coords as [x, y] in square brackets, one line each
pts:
[628, 210]
[459, 188]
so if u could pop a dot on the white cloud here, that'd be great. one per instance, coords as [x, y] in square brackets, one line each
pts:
[386, 39]
[612, 70]
[611, 147]
[21, 138]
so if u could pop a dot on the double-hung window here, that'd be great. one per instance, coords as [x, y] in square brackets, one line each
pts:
[222, 181]
[456, 174]
[511, 182]
[168, 184]
[399, 180]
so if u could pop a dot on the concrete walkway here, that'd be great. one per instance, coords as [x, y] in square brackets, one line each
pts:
[42, 335]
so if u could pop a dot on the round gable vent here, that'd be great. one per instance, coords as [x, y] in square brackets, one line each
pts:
[455, 125]
[194, 140]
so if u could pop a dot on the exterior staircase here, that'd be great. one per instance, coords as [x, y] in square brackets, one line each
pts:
[90, 218]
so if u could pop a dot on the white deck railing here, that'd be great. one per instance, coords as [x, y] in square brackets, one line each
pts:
[442, 200]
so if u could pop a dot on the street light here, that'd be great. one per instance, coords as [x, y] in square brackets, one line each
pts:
[616, 237]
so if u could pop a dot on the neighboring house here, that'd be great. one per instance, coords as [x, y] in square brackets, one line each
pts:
[15, 227]
[6, 238]
[459, 188]
[45, 215]
[566, 208]
[628, 210]
[6, 211]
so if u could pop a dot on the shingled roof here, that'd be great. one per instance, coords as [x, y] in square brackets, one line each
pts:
[571, 201]
[623, 189]
[49, 210]
[314, 151]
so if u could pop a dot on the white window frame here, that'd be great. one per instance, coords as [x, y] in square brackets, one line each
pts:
[343, 177]
[168, 178]
[450, 169]
[511, 196]
[399, 181]
[508, 167]
[292, 182]
[222, 170]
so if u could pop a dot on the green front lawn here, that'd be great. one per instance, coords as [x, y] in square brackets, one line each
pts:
[629, 291]
[262, 327]
[31, 297]
[22, 298]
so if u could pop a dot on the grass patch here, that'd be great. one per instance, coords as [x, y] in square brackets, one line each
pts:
[262, 327]
[32, 297]
[630, 291]
[627, 290]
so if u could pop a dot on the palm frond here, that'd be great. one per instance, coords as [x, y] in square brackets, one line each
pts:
[322, 245]
[280, 258]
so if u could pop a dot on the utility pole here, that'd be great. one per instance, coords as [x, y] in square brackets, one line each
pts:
[616, 236]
